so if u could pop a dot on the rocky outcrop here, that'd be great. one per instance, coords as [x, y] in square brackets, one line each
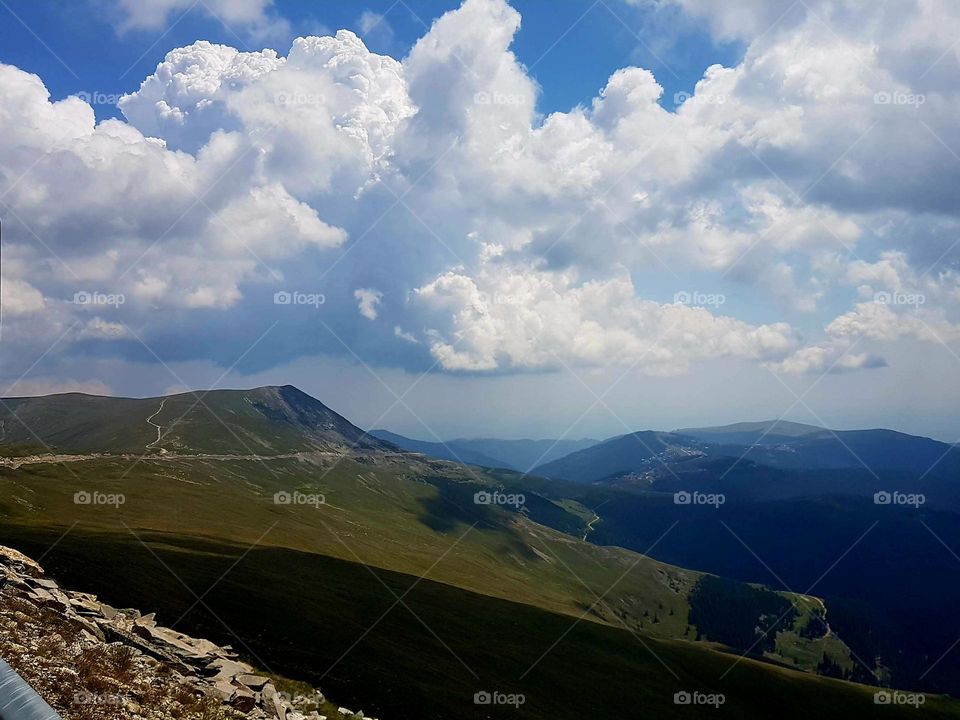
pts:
[91, 661]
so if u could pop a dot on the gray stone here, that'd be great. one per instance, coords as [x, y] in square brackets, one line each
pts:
[252, 681]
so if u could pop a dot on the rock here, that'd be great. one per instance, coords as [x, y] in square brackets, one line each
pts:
[45, 598]
[275, 705]
[222, 668]
[200, 668]
[243, 700]
[252, 681]
[91, 628]
[85, 605]
[131, 707]
[224, 689]
[9, 556]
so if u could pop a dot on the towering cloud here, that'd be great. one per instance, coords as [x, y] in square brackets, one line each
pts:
[819, 173]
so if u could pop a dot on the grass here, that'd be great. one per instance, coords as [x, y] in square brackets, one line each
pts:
[330, 622]
[384, 516]
[500, 588]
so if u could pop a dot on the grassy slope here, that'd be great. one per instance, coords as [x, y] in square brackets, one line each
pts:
[308, 616]
[266, 420]
[381, 511]
[380, 515]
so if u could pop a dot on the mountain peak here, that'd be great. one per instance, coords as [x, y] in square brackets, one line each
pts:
[266, 420]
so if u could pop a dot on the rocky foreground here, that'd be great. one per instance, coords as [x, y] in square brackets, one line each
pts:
[90, 661]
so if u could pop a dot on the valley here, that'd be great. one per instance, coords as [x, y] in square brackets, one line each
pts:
[329, 549]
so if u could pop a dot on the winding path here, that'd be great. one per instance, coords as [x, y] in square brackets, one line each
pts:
[589, 528]
[158, 427]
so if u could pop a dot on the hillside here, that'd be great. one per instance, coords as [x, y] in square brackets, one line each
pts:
[767, 432]
[620, 455]
[266, 420]
[927, 465]
[89, 660]
[343, 630]
[336, 509]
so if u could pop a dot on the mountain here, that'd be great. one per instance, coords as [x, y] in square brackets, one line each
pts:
[338, 625]
[621, 455]
[767, 432]
[519, 455]
[524, 455]
[886, 456]
[266, 420]
[444, 451]
[296, 552]
[786, 507]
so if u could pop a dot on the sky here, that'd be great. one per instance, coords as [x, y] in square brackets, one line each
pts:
[526, 219]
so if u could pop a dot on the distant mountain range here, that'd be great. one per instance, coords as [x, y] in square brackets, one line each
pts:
[870, 458]
[519, 455]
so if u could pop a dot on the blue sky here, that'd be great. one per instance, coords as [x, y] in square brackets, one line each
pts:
[549, 40]
[495, 200]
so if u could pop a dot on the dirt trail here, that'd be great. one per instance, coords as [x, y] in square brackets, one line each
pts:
[307, 455]
[15, 462]
[157, 426]
[589, 527]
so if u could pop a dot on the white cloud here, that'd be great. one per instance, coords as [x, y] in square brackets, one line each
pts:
[404, 335]
[517, 239]
[519, 318]
[100, 329]
[252, 16]
[368, 300]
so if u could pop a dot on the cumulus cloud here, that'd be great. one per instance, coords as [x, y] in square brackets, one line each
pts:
[519, 318]
[511, 240]
[368, 300]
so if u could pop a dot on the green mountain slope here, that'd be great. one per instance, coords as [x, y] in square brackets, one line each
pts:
[321, 491]
[267, 420]
[339, 625]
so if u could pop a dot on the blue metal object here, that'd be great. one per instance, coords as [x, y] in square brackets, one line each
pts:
[19, 701]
